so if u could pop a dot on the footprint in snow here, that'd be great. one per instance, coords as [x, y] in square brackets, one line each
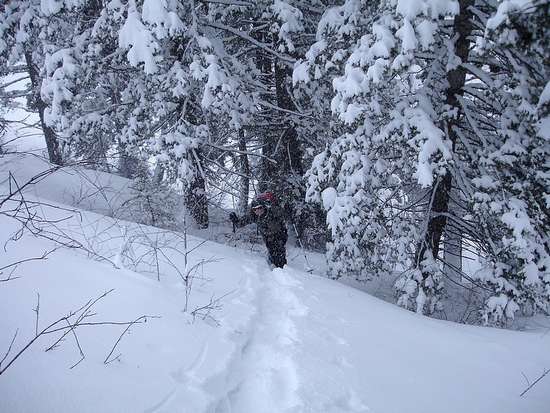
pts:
[352, 403]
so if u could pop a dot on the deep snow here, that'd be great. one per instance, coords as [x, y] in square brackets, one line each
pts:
[282, 341]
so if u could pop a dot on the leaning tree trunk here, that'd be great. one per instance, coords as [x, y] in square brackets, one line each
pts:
[52, 144]
[441, 190]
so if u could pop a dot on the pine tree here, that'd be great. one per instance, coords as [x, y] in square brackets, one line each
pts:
[23, 25]
[435, 136]
[506, 108]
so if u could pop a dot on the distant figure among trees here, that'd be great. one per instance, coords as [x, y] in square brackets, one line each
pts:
[269, 217]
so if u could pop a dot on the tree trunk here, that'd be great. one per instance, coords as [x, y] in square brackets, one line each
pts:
[268, 137]
[290, 146]
[54, 152]
[244, 180]
[452, 248]
[289, 152]
[441, 190]
[129, 166]
[158, 174]
[195, 194]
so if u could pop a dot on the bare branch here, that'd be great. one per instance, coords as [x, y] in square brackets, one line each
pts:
[214, 304]
[37, 311]
[14, 265]
[546, 371]
[286, 59]
[9, 348]
[81, 314]
[137, 320]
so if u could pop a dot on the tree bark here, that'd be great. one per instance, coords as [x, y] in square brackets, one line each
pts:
[289, 152]
[292, 152]
[158, 174]
[128, 166]
[195, 194]
[244, 180]
[452, 244]
[52, 144]
[441, 190]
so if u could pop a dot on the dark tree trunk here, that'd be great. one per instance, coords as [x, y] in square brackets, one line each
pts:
[437, 220]
[195, 195]
[2, 131]
[54, 151]
[441, 190]
[244, 180]
[268, 169]
[129, 166]
[158, 174]
[280, 144]
[268, 137]
[289, 152]
[289, 146]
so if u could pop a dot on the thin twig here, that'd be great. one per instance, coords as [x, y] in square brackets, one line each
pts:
[37, 311]
[546, 371]
[78, 322]
[82, 356]
[17, 263]
[137, 320]
[9, 348]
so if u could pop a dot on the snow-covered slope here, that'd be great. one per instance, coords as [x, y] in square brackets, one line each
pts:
[276, 341]
[79, 187]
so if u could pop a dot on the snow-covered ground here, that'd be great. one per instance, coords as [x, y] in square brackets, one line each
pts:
[272, 341]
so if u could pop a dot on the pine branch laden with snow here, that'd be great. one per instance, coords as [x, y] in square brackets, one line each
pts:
[23, 25]
[510, 192]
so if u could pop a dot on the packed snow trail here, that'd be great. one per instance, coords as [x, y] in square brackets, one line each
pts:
[263, 372]
[262, 376]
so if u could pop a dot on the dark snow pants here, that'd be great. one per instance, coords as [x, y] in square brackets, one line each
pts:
[276, 247]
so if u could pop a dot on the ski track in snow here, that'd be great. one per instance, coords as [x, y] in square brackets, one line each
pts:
[262, 375]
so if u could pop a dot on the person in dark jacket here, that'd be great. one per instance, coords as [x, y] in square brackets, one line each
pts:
[269, 218]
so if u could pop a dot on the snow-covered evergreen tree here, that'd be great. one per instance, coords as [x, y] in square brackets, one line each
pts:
[23, 25]
[505, 130]
[371, 176]
[431, 101]
[146, 77]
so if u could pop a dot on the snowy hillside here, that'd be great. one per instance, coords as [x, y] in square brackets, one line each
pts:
[251, 340]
